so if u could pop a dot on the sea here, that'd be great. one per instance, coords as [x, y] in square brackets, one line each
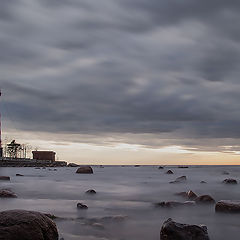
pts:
[124, 206]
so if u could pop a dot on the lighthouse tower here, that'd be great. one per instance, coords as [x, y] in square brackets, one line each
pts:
[1, 149]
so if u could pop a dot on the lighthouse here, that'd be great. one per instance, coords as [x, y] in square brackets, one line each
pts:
[1, 149]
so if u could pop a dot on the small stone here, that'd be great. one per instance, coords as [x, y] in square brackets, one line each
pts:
[91, 191]
[230, 181]
[82, 206]
[169, 172]
[5, 178]
[5, 193]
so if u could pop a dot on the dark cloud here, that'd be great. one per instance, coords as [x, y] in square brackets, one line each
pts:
[169, 69]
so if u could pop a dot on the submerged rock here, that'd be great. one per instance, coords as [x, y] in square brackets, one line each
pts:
[85, 170]
[177, 231]
[203, 182]
[169, 172]
[225, 173]
[82, 206]
[5, 193]
[172, 204]
[204, 199]
[180, 179]
[5, 178]
[228, 206]
[27, 225]
[91, 191]
[230, 181]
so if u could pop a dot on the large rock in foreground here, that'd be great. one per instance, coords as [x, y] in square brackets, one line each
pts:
[26, 225]
[178, 231]
[228, 206]
[85, 169]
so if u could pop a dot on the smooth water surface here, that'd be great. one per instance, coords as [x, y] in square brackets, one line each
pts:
[126, 191]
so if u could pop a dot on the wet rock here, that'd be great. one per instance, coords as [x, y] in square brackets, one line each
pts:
[230, 181]
[4, 178]
[5, 193]
[27, 225]
[182, 166]
[169, 172]
[91, 191]
[228, 206]
[202, 182]
[173, 204]
[177, 231]
[82, 206]
[180, 179]
[72, 165]
[160, 167]
[191, 195]
[85, 170]
[136, 165]
[204, 199]
[19, 175]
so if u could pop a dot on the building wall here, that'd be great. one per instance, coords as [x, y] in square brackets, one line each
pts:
[44, 155]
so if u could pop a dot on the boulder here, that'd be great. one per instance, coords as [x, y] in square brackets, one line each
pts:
[91, 191]
[230, 181]
[160, 167]
[27, 225]
[204, 199]
[5, 193]
[72, 165]
[203, 182]
[169, 172]
[85, 170]
[82, 206]
[177, 231]
[5, 178]
[19, 175]
[180, 179]
[228, 206]
[191, 195]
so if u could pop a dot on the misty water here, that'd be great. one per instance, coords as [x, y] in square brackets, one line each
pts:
[127, 191]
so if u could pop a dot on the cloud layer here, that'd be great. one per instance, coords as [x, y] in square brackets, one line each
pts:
[118, 67]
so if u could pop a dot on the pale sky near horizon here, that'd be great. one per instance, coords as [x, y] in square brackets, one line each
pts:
[123, 81]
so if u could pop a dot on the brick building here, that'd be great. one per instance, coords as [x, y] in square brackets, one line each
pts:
[44, 155]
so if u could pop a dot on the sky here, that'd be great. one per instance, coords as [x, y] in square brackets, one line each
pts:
[122, 81]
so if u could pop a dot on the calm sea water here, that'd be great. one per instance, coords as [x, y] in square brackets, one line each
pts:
[127, 191]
